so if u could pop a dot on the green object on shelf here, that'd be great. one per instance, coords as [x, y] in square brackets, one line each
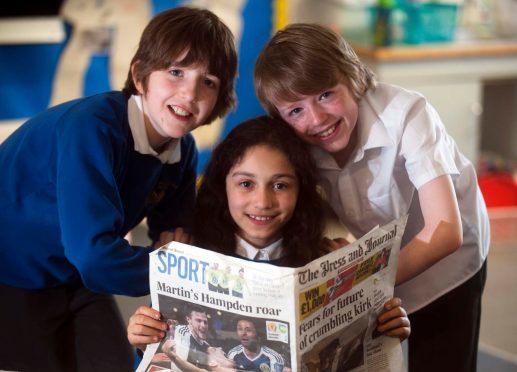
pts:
[386, 3]
[382, 28]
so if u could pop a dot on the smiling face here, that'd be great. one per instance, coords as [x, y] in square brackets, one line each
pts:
[327, 119]
[177, 100]
[262, 190]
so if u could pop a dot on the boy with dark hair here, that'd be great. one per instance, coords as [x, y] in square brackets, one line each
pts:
[78, 177]
[250, 355]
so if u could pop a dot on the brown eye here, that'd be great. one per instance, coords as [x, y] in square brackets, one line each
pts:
[209, 83]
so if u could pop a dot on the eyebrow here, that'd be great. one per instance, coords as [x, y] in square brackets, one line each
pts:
[287, 105]
[252, 175]
[212, 76]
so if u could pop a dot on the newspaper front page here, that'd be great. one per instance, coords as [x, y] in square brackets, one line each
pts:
[231, 314]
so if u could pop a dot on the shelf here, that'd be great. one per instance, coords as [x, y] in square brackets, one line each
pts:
[460, 49]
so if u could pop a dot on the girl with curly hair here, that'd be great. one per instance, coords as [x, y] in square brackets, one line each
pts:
[259, 200]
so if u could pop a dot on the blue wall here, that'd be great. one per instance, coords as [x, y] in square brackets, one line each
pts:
[27, 71]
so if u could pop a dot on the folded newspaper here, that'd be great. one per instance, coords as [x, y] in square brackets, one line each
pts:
[231, 314]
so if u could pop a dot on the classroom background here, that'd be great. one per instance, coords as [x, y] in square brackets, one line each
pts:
[461, 54]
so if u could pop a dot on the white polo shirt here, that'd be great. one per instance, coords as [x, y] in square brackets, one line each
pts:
[402, 144]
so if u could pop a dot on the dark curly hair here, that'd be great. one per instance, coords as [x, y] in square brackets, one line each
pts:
[214, 227]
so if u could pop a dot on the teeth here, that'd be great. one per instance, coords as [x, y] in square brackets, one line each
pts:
[328, 132]
[260, 218]
[179, 111]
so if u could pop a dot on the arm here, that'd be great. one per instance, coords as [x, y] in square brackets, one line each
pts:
[393, 321]
[331, 245]
[177, 235]
[442, 233]
[91, 161]
[183, 365]
[218, 361]
[145, 327]
[95, 216]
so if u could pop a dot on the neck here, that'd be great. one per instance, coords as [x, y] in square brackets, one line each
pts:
[195, 336]
[343, 156]
[252, 353]
[157, 142]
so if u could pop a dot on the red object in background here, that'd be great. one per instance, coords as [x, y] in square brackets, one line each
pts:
[498, 189]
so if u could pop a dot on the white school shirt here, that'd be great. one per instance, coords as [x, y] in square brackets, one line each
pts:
[273, 251]
[402, 144]
[135, 114]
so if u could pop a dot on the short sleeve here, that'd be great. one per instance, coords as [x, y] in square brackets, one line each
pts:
[427, 148]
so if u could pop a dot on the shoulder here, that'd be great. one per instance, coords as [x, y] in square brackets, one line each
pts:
[183, 330]
[84, 113]
[384, 93]
[397, 109]
[188, 148]
[234, 351]
[97, 127]
[102, 105]
[100, 113]
[389, 101]
[273, 355]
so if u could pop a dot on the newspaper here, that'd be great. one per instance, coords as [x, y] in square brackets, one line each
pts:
[231, 314]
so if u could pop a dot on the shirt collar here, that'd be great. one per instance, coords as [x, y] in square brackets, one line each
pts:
[171, 155]
[373, 119]
[273, 251]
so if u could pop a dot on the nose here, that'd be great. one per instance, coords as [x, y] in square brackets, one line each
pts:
[263, 198]
[189, 90]
[316, 116]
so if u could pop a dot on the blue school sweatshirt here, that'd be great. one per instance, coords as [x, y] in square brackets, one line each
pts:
[72, 186]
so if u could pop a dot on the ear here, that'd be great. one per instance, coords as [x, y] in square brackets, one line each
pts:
[138, 84]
